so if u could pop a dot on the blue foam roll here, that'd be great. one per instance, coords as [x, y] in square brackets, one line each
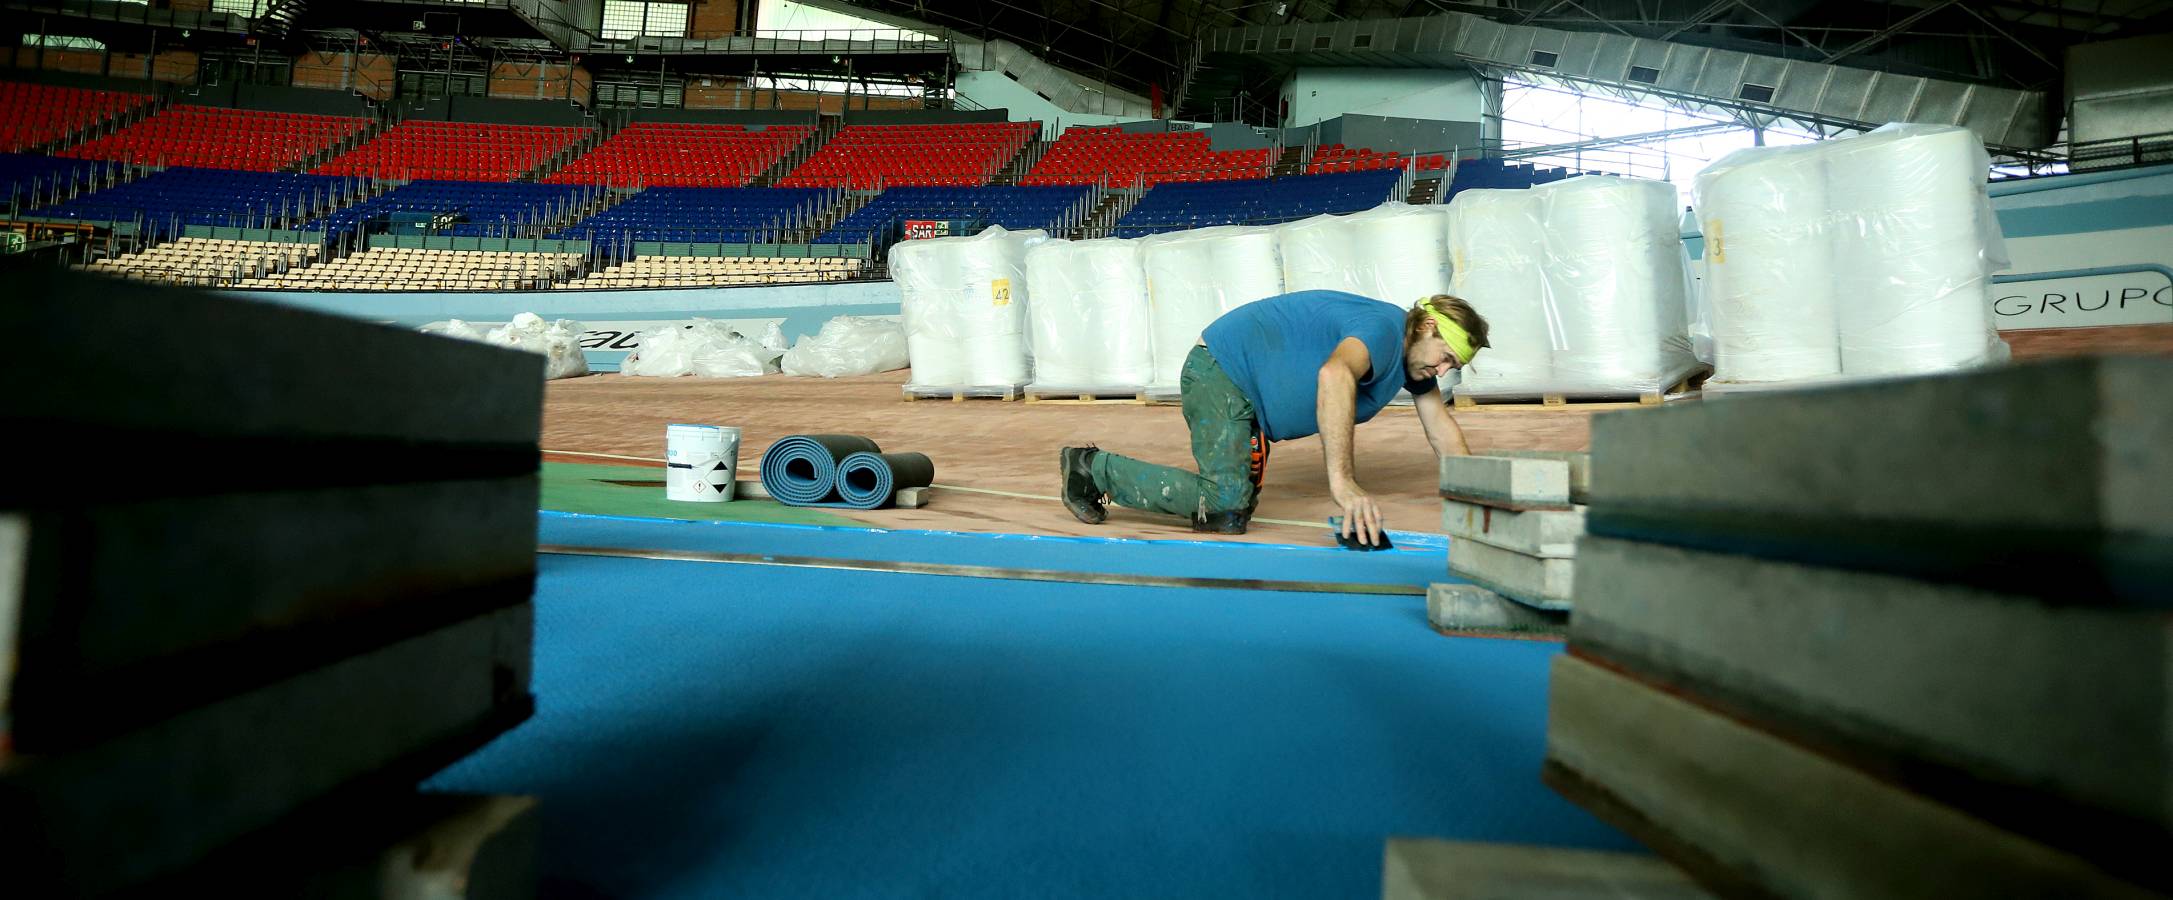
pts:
[872, 480]
[802, 470]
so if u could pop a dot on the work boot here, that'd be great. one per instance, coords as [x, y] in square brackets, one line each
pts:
[1075, 466]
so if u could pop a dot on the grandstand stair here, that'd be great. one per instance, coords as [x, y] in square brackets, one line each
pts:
[279, 20]
[1103, 219]
[1424, 190]
[1023, 162]
[377, 126]
[604, 127]
[1291, 162]
[849, 202]
[826, 127]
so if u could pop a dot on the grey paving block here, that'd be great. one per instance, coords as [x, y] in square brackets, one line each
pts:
[1580, 468]
[153, 801]
[1752, 814]
[2053, 479]
[1530, 580]
[1506, 482]
[2054, 720]
[1549, 533]
[1426, 869]
[1471, 609]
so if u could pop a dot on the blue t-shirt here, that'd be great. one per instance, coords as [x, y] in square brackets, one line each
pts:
[1274, 348]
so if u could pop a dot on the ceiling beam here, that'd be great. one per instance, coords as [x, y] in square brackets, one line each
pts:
[1877, 37]
[1697, 18]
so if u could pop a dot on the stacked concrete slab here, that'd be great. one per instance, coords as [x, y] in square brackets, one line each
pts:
[1896, 640]
[1513, 523]
[282, 569]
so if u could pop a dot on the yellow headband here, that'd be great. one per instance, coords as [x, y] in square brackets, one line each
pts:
[1454, 335]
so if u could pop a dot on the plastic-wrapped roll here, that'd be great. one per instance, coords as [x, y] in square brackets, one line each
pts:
[1614, 280]
[1401, 253]
[927, 279]
[1316, 254]
[1914, 246]
[1089, 316]
[993, 305]
[964, 302]
[1769, 275]
[1193, 277]
[1496, 241]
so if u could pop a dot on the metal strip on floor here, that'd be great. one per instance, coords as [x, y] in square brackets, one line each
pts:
[995, 572]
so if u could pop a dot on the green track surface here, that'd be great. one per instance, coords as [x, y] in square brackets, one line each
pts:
[586, 488]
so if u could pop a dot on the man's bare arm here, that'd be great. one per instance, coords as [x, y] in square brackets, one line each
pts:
[1441, 428]
[1336, 412]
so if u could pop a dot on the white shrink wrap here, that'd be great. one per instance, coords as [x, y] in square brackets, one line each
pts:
[1613, 277]
[558, 342]
[964, 303]
[1915, 245]
[1769, 268]
[1393, 252]
[1314, 253]
[1195, 276]
[1496, 244]
[847, 345]
[1090, 323]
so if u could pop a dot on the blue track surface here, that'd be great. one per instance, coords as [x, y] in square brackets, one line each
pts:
[710, 730]
[1418, 559]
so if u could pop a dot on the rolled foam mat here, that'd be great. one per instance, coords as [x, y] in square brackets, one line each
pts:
[802, 470]
[872, 480]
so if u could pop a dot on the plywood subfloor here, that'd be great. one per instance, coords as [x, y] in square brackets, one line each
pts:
[1011, 447]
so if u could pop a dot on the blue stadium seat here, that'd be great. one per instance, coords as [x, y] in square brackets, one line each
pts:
[1258, 201]
[485, 208]
[701, 215]
[23, 173]
[165, 201]
[1010, 206]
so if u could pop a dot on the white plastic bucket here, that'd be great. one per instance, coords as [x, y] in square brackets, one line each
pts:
[702, 459]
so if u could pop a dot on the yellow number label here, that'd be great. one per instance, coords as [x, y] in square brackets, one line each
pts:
[999, 292]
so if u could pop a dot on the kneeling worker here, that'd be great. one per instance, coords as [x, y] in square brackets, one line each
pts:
[1281, 369]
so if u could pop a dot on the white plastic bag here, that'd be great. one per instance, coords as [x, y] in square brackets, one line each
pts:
[849, 345]
[702, 348]
[558, 342]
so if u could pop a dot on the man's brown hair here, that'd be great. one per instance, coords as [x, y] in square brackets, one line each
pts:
[1456, 309]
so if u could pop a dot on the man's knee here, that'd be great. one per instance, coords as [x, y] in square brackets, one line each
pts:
[1227, 509]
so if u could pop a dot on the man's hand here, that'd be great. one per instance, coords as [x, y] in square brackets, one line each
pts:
[1361, 516]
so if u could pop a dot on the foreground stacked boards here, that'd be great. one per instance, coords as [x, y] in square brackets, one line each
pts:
[964, 301]
[1867, 256]
[1195, 276]
[1582, 284]
[1091, 325]
[317, 595]
[1868, 661]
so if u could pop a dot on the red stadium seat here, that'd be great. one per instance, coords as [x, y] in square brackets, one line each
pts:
[219, 138]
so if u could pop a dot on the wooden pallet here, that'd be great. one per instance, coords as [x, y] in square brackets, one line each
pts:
[1080, 398]
[963, 394]
[1589, 401]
